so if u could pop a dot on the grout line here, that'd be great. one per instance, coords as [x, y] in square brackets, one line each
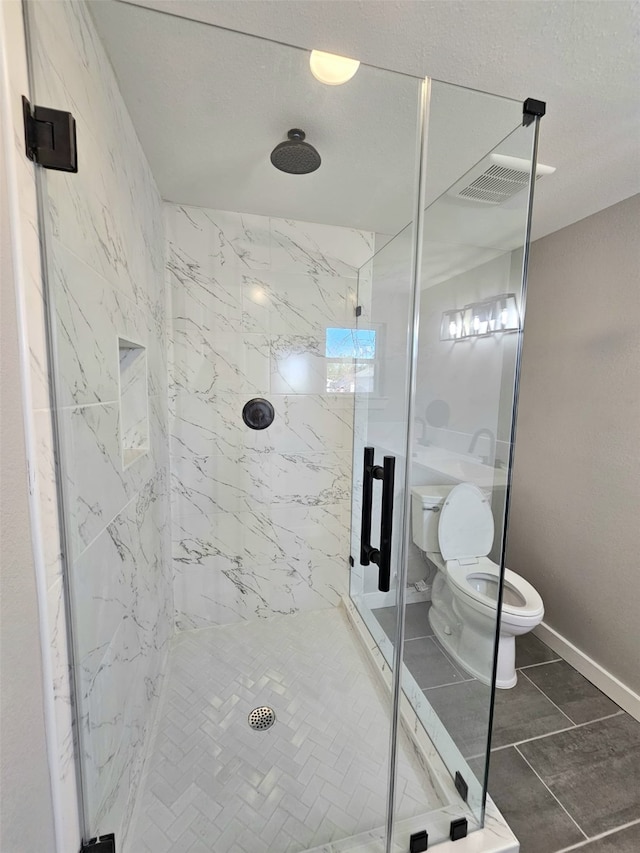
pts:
[541, 663]
[458, 667]
[551, 792]
[549, 699]
[557, 731]
[448, 684]
[607, 834]
[134, 497]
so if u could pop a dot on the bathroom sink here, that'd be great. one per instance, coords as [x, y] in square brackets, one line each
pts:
[458, 467]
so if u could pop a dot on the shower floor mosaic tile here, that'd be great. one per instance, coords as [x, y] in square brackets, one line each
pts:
[318, 775]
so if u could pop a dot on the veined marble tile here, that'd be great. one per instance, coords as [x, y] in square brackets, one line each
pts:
[205, 597]
[310, 479]
[64, 727]
[219, 238]
[106, 212]
[215, 299]
[47, 495]
[243, 499]
[204, 485]
[318, 249]
[204, 363]
[212, 425]
[209, 484]
[104, 701]
[306, 422]
[90, 315]
[298, 364]
[278, 303]
[93, 468]
[102, 579]
[207, 425]
[271, 534]
[157, 344]
[122, 618]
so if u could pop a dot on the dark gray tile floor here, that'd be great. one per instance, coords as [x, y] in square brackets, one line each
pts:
[623, 841]
[514, 782]
[429, 664]
[565, 762]
[571, 692]
[416, 621]
[593, 770]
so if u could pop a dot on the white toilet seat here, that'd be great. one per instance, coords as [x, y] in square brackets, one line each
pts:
[487, 573]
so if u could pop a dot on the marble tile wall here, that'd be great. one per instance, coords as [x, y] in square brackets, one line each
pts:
[105, 247]
[260, 519]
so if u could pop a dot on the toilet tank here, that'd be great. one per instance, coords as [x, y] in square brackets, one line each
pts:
[424, 520]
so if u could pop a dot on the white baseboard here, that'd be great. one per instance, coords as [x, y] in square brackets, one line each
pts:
[598, 675]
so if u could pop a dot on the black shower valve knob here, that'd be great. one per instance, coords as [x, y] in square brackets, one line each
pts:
[258, 413]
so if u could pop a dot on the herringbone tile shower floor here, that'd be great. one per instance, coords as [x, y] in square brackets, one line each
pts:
[318, 775]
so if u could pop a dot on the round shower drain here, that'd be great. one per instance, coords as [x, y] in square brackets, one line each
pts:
[262, 718]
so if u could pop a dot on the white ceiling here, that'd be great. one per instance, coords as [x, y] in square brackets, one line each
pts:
[208, 109]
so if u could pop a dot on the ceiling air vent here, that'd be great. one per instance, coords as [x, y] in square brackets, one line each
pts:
[497, 179]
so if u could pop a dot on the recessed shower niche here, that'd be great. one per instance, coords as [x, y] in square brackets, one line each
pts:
[134, 408]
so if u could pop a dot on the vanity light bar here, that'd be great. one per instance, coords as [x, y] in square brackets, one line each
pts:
[478, 319]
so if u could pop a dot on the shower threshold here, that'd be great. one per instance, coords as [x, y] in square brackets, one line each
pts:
[314, 780]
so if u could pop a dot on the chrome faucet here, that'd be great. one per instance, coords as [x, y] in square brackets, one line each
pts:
[491, 458]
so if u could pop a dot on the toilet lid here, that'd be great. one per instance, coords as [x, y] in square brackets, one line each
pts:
[466, 524]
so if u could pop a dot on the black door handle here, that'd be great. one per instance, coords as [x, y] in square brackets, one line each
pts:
[382, 556]
[386, 523]
[367, 497]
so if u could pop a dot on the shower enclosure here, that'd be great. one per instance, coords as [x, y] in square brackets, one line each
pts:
[250, 371]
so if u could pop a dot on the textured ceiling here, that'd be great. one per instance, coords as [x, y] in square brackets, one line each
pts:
[583, 58]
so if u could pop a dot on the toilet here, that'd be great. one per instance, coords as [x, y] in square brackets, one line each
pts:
[454, 526]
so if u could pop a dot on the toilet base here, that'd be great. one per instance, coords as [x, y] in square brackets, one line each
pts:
[455, 637]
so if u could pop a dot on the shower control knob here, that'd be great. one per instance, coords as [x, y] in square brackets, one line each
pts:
[258, 413]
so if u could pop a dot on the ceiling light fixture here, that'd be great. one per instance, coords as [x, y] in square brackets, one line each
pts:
[332, 69]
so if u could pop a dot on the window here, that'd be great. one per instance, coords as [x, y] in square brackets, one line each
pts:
[352, 361]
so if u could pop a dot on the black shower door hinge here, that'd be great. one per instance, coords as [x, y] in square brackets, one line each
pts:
[50, 137]
[103, 844]
[458, 829]
[531, 110]
[461, 786]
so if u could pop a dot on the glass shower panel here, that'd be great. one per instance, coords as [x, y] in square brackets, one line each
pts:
[455, 381]
[474, 239]
[207, 561]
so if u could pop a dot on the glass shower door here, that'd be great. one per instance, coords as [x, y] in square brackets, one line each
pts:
[436, 390]
[223, 700]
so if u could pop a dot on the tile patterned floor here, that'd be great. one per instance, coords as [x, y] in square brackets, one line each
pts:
[565, 763]
[318, 775]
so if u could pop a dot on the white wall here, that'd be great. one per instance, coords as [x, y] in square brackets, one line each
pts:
[576, 494]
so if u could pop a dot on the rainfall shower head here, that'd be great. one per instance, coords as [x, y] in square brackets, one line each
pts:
[294, 155]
